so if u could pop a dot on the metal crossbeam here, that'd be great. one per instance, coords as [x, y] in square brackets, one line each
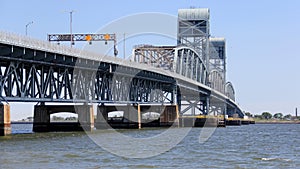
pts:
[84, 37]
[81, 37]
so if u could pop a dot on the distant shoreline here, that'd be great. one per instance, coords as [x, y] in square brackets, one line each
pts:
[256, 122]
[31, 122]
[277, 122]
[21, 122]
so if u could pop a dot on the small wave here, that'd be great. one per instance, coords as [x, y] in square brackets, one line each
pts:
[143, 166]
[71, 156]
[275, 159]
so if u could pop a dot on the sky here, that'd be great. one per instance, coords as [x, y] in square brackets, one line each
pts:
[262, 39]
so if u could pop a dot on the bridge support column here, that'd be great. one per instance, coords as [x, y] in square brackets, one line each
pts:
[85, 116]
[139, 116]
[169, 115]
[102, 116]
[131, 115]
[41, 119]
[177, 115]
[207, 105]
[5, 126]
[225, 112]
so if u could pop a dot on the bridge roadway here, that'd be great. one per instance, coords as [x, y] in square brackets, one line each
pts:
[38, 71]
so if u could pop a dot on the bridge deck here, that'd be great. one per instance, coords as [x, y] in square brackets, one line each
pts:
[39, 45]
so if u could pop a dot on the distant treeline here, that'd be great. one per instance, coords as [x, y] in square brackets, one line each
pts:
[268, 115]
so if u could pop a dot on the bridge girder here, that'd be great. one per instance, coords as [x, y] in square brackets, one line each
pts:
[33, 75]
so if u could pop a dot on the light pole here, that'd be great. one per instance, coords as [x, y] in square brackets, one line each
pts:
[26, 26]
[71, 35]
[124, 46]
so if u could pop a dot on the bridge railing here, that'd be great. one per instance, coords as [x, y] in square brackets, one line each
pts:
[24, 41]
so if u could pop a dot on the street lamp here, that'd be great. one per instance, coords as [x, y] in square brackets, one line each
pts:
[124, 46]
[26, 27]
[71, 35]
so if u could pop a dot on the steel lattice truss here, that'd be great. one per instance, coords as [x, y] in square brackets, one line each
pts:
[217, 64]
[32, 75]
[182, 60]
[193, 30]
[217, 55]
[162, 56]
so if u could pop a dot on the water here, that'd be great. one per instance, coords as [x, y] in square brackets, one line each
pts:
[249, 146]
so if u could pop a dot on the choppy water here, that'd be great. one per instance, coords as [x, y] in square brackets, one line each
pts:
[250, 146]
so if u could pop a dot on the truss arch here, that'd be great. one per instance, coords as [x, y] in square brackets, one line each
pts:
[216, 81]
[189, 64]
[229, 91]
[182, 60]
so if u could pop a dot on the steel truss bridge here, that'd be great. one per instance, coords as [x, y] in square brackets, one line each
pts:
[191, 74]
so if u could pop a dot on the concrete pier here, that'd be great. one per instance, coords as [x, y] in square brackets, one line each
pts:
[5, 125]
[85, 116]
[41, 122]
[199, 121]
[169, 116]
[41, 119]
[233, 121]
[133, 116]
[129, 119]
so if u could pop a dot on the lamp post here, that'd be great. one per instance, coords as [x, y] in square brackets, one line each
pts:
[71, 20]
[124, 46]
[26, 27]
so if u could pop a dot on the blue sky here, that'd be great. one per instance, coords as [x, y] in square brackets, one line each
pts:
[262, 39]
